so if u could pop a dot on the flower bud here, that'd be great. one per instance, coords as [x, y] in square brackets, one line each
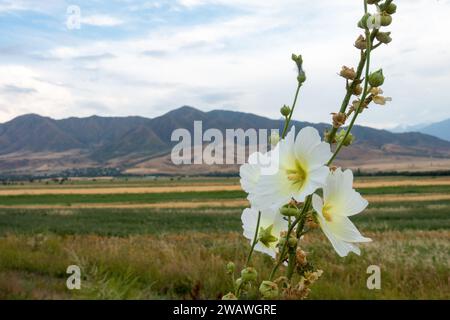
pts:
[285, 111]
[361, 43]
[357, 90]
[230, 268]
[391, 8]
[385, 20]
[348, 73]
[292, 242]
[363, 22]
[229, 296]
[298, 59]
[238, 282]
[376, 79]
[346, 141]
[269, 290]
[384, 37]
[301, 77]
[289, 212]
[249, 274]
[339, 119]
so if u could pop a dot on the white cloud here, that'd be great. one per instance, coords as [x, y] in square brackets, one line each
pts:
[101, 20]
[242, 62]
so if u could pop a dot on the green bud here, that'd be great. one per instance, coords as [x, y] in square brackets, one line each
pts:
[384, 37]
[348, 140]
[229, 296]
[289, 212]
[230, 268]
[285, 111]
[391, 8]
[298, 59]
[266, 237]
[363, 22]
[376, 79]
[238, 282]
[301, 77]
[249, 274]
[292, 242]
[269, 290]
[386, 19]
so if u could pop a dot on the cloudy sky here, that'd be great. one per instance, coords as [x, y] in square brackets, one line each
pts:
[145, 58]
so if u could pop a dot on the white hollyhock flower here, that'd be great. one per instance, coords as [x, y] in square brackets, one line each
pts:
[340, 201]
[299, 170]
[258, 164]
[270, 227]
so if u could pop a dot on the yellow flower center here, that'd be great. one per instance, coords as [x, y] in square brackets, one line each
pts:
[297, 175]
[326, 213]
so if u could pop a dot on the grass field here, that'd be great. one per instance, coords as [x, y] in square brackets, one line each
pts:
[140, 252]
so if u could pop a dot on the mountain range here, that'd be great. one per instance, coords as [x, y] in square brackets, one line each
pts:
[439, 129]
[32, 144]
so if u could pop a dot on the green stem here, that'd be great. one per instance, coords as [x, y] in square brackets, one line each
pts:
[359, 71]
[361, 102]
[291, 228]
[255, 240]
[288, 119]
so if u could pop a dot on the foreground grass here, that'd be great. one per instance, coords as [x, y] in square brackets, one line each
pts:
[181, 253]
[191, 266]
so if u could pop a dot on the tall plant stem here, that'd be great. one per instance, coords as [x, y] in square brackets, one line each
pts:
[359, 71]
[288, 118]
[361, 102]
[283, 252]
[255, 241]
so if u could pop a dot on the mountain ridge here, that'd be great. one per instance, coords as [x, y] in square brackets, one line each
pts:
[439, 129]
[31, 142]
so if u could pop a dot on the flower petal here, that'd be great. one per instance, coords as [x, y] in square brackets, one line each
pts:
[353, 203]
[307, 139]
[345, 230]
[342, 248]
[249, 177]
[317, 203]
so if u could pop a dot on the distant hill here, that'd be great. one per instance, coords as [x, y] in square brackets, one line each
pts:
[36, 144]
[440, 129]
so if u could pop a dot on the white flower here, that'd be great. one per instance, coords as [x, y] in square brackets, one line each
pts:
[340, 202]
[270, 226]
[299, 170]
[258, 164]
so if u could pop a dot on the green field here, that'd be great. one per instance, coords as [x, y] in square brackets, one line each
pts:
[181, 253]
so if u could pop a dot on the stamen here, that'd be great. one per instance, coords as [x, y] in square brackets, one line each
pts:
[326, 213]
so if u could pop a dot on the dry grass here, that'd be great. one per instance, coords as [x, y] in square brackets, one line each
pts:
[414, 266]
